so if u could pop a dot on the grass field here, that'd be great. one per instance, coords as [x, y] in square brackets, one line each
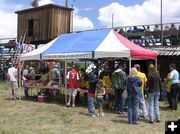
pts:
[31, 117]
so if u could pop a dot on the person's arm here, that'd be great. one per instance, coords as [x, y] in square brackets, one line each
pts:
[96, 94]
[139, 82]
[170, 76]
[67, 77]
[104, 91]
[101, 75]
[77, 76]
[124, 78]
[145, 80]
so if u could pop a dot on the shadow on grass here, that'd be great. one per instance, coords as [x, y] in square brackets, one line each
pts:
[145, 120]
[164, 108]
[82, 113]
[21, 99]
[120, 121]
[122, 115]
[141, 119]
[59, 100]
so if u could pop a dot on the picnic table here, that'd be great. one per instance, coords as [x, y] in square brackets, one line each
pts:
[61, 88]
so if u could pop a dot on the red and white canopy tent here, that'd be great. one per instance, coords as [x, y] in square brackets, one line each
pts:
[136, 52]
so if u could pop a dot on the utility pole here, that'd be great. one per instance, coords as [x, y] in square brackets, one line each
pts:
[161, 23]
[112, 20]
[66, 3]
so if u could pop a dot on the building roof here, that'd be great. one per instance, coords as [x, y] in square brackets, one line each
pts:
[166, 51]
[41, 7]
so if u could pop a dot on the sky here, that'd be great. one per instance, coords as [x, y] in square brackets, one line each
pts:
[95, 14]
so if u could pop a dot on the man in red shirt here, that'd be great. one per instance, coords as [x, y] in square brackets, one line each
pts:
[73, 78]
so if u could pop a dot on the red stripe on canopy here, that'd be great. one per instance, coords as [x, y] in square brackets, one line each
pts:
[136, 51]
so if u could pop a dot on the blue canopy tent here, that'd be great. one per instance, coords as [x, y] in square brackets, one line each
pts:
[89, 44]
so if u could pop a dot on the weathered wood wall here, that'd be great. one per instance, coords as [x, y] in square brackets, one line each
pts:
[48, 22]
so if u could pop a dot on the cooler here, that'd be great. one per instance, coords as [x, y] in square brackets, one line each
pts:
[42, 98]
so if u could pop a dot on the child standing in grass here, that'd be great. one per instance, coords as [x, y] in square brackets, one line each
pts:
[100, 91]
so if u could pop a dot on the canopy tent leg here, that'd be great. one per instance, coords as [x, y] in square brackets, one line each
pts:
[65, 80]
[20, 78]
[129, 64]
[156, 63]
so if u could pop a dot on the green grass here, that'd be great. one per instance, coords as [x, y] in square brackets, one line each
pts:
[31, 117]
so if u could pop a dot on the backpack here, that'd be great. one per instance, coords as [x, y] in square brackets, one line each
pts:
[118, 80]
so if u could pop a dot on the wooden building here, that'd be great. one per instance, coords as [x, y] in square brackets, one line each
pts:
[43, 23]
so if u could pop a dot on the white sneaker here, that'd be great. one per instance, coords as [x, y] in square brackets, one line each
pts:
[68, 104]
[73, 105]
[102, 114]
[93, 115]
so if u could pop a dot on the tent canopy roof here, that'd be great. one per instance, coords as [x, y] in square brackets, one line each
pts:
[93, 44]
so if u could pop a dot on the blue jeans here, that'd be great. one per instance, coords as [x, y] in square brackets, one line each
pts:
[26, 92]
[100, 101]
[154, 106]
[91, 107]
[175, 89]
[143, 105]
[120, 102]
[123, 104]
[25, 88]
[133, 105]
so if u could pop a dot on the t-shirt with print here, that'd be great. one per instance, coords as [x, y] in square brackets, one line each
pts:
[73, 77]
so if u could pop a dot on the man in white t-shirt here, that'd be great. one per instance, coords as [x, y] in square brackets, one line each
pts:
[12, 73]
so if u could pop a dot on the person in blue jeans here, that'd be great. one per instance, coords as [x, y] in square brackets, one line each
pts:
[92, 80]
[153, 84]
[175, 87]
[118, 85]
[142, 103]
[133, 90]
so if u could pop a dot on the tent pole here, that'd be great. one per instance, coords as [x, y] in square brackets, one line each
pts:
[156, 63]
[129, 64]
[20, 79]
[65, 80]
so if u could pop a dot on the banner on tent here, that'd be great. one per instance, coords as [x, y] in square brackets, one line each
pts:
[68, 56]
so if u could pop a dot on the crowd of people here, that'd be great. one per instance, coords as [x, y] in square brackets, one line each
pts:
[119, 91]
[134, 84]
